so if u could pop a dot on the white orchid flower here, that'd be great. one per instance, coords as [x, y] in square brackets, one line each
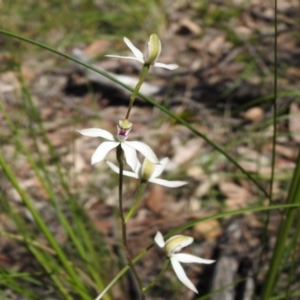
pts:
[174, 245]
[154, 49]
[129, 148]
[148, 172]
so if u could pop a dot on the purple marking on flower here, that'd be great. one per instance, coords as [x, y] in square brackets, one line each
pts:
[123, 133]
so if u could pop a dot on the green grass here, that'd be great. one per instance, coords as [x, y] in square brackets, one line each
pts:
[62, 24]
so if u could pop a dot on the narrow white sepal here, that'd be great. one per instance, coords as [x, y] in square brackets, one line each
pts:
[165, 66]
[179, 271]
[159, 239]
[171, 184]
[138, 168]
[130, 155]
[96, 132]
[145, 150]
[116, 169]
[160, 168]
[188, 258]
[126, 57]
[137, 53]
[102, 151]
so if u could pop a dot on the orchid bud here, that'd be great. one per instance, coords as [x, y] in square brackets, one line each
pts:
[154, 49]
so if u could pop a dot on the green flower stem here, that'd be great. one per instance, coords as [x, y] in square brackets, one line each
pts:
[120, 156]
[275, 108]
[162, 272]
[137, 88]
[136, 201]
[122, 272]
[265, 233]
[285, 226]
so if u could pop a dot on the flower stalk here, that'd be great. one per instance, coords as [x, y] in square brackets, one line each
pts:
[120, 157]
[144, 72]
[137, 199]
[165, 267]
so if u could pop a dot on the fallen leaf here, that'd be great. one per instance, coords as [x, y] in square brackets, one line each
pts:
[189, 25]
[156, 199]
[254, 114]
[237, 196]
[96, 47]
[209, 230]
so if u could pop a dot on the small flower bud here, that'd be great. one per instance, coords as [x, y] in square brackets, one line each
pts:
[154, 48]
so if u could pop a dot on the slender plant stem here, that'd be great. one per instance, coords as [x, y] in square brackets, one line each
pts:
[137, 88]
[274, 102]
[285, 226]
[267, 219]
[120, 155]
[136, 201]
[160, 275]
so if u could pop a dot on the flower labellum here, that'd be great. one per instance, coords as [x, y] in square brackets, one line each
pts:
[174, 245]
[124, 128]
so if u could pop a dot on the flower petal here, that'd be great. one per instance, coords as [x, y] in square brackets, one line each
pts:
[165, 66]
[130, 155]
[102, 151]
[127, 57]
[171, 184]
[181, 274]
[188, 258]
[137, 53]
[159, 168]
[144, 149]
[116, 169]
[97, 132]
[138, 168]
[159, 239]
